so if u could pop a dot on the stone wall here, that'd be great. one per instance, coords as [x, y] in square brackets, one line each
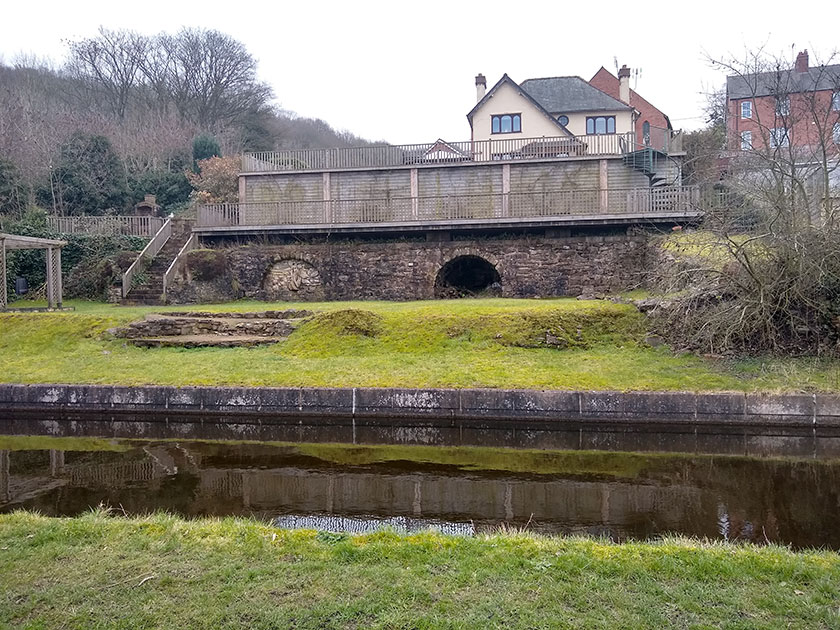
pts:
[408, 270]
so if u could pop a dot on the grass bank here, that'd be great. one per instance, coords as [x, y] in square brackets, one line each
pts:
[539, 344]
[98, 571]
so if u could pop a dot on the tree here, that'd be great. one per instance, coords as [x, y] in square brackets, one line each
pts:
[203, 148]
[13, 194]
[217, 180]
[210, 77]
[89, 178]
[111, 62]
[776, 285]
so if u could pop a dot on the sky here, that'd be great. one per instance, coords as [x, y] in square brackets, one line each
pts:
[404, 72]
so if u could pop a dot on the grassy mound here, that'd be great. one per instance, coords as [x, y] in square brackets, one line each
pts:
[159, 571]
[537, 344]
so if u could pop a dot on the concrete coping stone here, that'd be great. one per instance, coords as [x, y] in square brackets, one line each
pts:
[591, 406]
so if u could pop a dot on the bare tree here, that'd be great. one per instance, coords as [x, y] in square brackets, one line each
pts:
[772, 284]
[112, 62]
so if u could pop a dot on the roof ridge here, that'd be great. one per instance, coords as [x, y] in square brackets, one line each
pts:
[565, 76]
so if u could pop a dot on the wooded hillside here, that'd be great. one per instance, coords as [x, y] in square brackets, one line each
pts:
[120, 117]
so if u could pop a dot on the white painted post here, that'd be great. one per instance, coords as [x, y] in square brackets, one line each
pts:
[58, 281]
[415, 194]
[603, 184]
[505, 190]
[325, 195]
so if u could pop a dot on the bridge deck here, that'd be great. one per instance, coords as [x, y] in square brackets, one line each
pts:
[486, 225]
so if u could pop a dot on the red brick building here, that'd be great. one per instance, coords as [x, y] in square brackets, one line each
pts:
[652, 125]
[798, 107]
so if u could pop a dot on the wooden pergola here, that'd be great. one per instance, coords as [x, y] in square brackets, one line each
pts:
[14, 241]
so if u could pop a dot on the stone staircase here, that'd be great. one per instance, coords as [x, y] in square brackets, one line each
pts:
[199, 329]
[151, 289]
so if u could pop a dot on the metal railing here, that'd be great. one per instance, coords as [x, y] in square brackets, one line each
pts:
[178, 262]
[452, 207]
[439, 152]
[106, 225]
[150, 251]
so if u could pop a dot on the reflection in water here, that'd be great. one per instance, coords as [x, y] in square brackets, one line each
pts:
[457, 491]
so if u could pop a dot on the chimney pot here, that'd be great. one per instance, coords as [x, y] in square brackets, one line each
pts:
[624, 72]
[480, 86]
[802, 61]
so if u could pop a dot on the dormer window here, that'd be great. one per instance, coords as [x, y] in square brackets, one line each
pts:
[506, 123]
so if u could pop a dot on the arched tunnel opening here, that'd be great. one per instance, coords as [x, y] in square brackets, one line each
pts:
[467, 276]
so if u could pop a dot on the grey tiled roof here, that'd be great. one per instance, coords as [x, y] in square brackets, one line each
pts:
[560, 95]
[783, 82]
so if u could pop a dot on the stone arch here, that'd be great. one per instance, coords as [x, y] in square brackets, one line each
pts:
[467, 275]
[291, 280]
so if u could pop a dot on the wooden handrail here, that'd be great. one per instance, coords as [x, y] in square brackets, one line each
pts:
[179, 260]
[150, 251]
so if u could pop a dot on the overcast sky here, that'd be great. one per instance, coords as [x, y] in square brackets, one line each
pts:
[404, 71]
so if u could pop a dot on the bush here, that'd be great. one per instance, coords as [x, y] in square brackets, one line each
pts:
[207, 264]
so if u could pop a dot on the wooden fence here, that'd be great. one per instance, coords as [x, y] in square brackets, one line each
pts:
[666, 199]
[106, 225]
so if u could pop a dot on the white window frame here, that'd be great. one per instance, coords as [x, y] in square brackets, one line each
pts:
[746, 105]
[783, 106]
[775, 135]
[836, 133]
[746, 140]
[835, 101]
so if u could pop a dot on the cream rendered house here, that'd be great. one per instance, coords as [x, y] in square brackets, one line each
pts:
[558, 107]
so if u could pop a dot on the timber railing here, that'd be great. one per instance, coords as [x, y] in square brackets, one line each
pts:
[106, 225]
[178, 262]
[439, 152]
[591, 202]
[150, 251]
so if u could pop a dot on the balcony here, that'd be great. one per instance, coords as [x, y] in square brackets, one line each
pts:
[501, 210]
[439, 152]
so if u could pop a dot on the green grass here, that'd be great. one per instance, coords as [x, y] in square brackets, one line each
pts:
[98, 571]
[460, 343]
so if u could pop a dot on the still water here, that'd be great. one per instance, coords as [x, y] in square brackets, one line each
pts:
[459, 491]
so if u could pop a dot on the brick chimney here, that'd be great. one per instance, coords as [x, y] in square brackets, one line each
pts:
[480, 87]
[802, 61]
[624, 84]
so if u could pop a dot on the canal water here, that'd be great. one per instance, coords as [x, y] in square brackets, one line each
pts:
[457, 490]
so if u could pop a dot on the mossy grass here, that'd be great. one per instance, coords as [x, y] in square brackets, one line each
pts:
[498, 343]
[160, 571]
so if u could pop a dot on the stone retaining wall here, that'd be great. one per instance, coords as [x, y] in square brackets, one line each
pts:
[407, 270]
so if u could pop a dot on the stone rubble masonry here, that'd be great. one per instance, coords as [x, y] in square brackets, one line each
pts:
[406, 270]
[795, 411]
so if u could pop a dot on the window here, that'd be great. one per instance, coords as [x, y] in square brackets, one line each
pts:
[837, 133]
[746, 109]
[646, 133]
[783, 106]
[779, 138]
[600, 125]
[835, 101]
[746, 140]
[563, 120]
[507, 123]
